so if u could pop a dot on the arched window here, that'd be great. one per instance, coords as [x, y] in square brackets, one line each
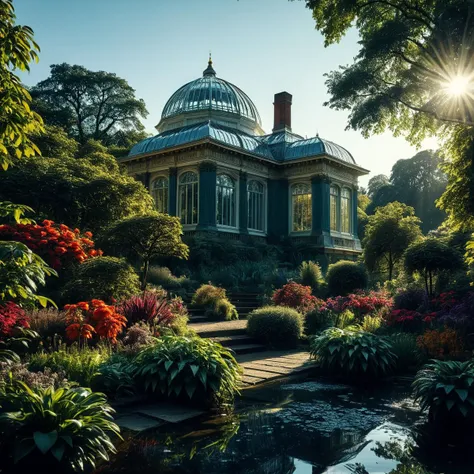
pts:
[188, 198]
[225, 201]
[159, 191]
[301, 207]
[334, 208]
[346, 210]
[256, 203]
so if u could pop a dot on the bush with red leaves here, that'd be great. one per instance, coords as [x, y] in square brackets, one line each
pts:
[57, 245]
[296, 296]
[11, 317]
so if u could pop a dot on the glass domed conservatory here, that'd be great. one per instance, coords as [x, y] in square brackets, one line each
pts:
[212, 165]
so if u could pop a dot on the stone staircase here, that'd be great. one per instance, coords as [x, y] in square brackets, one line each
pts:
[231, 334]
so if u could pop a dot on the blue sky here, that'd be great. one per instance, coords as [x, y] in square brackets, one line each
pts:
[262, 46]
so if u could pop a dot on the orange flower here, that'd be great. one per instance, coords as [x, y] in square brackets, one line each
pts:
[73, 331]
[97, 303]
[83, 305]
[86, 331]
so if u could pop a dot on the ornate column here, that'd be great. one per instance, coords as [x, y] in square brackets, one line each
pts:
[354, 212]
[243, 204]
[278, 216]
[320, 203]
[207, 196]
[173, 191]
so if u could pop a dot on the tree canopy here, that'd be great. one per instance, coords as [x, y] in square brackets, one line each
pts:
[17, 120]
[375, 183]
[417, 182]
[89, 104]
[150, 236]
[387, 235]
[89, 192]
[412, 52]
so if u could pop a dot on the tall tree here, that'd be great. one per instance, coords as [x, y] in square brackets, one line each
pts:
[89, 104]
[375, 183]
[17, 120]
[413, 76]
[387, 235]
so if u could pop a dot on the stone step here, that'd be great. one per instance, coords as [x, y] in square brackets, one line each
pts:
[247, 348]
[234, 340]
[220, 328]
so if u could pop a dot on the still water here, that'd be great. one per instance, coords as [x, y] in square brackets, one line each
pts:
[313, 427]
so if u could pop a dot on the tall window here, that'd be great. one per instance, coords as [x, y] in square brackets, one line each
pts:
[225, 190]
[256, 203]
[301, 207]
[188, 198]
[334, 208]
[159, 191]
[345, 210]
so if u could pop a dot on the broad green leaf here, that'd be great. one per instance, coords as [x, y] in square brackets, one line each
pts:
[45, 441]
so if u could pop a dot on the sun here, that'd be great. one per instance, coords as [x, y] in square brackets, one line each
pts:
[458, 86]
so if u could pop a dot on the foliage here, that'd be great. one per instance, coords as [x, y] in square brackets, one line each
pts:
[83, 192]
[429, 257]
[11, 316]
[345, 277]
[19, 372]
[446, 388]
[54, 142]
[359, 303]
[406, 320]
[48, 323]
[199, 368]
[371, 323]
[353, 353]
[79, 364]
[136, 337]
[387, 235]
[223, 310]
[413, 299]
[147, 307]
[67, 428]
[150, 236]
[208, 294]
[404, 346]
[114, 377]
[105, 278]
[57, 245]
[311, 275]
[17, 121]
[440, 344]
[86, 319]
[460, 316]
[317, 320]
[20, 273]
[162, 276]
[296, 296]
[278, 327]
[88, 104]
[375, 183]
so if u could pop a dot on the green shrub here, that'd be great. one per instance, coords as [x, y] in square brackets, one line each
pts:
[413, 299]
[222, 310]
[102, 278]
[317, 320]
[48, 322]
[371, 323]
[208, 295]
[311, 275]
[446, 390]
[114, 378]
[276, 326]
[55, 430]
[178, 366]
[162, 276]
[79, 364]
[345, 276]
[353, 353]
[344, 320]
[404, 346]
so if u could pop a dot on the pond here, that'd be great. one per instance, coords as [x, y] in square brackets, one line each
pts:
[310, 427]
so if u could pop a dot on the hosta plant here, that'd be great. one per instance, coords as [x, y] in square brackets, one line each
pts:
[446, 390]
[55, 430]
[353, 353]
[178, 366]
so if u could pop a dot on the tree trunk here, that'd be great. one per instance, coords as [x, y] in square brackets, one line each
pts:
[146, 266]
[431, 284]
[426, 283]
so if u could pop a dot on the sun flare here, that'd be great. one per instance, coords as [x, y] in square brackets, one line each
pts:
[458, 86]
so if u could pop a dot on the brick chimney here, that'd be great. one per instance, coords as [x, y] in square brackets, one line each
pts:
[282, 109]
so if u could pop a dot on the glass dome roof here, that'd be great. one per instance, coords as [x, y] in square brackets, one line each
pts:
[211, 93]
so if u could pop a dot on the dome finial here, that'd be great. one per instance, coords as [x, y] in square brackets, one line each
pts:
[209, 71]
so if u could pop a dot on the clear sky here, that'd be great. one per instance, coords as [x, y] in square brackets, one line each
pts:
[262, 46]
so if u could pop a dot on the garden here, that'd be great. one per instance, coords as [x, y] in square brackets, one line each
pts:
[99, 294]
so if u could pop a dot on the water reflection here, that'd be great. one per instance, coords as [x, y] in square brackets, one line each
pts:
[304, 429]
